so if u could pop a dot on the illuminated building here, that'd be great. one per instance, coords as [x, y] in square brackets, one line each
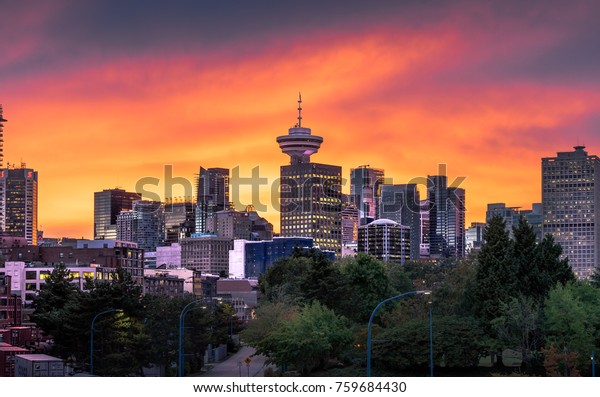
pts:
[19, 203]
[108, 204]
[386, 240]
[310, 193]
[570, 199]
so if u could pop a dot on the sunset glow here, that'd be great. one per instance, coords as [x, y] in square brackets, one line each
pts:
[99, 95]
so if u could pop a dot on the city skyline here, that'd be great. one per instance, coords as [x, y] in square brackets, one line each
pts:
[99, 95]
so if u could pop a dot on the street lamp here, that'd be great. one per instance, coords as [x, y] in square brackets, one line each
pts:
[92, 335]
[593, 364]
[184, 311]
[373, 316]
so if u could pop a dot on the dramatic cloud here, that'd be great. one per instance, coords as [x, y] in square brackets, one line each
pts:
[101, 94]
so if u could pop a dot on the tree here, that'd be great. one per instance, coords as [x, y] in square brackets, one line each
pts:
[453, 295]
[268, 317]
[570, 321]
[367, 284]
[307, 341]
[458, 342]
[495, 279]
[53, 305]
[519, 326]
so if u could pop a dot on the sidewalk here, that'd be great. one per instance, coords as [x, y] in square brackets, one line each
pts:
[235, 365]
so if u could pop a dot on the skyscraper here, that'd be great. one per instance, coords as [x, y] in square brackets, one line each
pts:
[446, 218]
[401, 203]
[213, 194]
[180, 220]
[143, 224]
[310, 193]
[108, 204]
[365, 183]
[19, 203]
[18, 197]
[570, 198]
[2, 120]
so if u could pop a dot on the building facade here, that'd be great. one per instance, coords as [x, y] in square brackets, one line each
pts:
[446, 218]
[401, 203]
[108, 204]
[386, 240]
[206, 254]
[179, 220]
[250, 259]
[570, 198]
[512, 215]
[365, 185]
[10, 303]
[212, 195]
[19, 203]
[143, 224]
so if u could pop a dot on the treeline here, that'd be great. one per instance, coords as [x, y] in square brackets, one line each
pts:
[514, 294]
[144, 333]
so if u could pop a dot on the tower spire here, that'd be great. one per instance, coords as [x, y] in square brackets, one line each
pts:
[299, 109]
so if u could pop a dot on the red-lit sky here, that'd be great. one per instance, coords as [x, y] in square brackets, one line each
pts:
[102, 94]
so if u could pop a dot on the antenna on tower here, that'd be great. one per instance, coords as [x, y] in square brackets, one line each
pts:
[299, 109]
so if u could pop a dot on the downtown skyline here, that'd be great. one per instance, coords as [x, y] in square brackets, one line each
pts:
[101, 94]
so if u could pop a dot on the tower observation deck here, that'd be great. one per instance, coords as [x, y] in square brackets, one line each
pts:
[299, 143]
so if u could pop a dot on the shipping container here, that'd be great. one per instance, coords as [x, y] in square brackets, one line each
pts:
[37, 365]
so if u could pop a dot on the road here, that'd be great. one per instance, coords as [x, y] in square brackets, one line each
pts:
[231, 366]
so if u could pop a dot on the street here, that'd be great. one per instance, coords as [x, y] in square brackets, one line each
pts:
[236, 365]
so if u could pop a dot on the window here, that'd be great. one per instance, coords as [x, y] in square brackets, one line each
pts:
[30, 275]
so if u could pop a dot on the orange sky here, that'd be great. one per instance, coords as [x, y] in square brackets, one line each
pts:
[97, 97]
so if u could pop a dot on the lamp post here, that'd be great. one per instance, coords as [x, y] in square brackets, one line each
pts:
[373, 316]
[184, 311]
[92, 335]
[593, 364]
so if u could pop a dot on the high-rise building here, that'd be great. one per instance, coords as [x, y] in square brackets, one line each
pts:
[512, 215]
[456, 222]
[2, 120]
[424, 220]
[570, 198]
[19, 203]
[180, 220]
[143, 224]
[310, 193]
[386, 240]
[108, 204]
[365, 184]
[401, 203]
[350, 221]
[446, 218]
[212, 196]
[474, 237]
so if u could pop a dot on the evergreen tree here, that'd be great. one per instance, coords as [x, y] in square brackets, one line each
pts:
[495, 279]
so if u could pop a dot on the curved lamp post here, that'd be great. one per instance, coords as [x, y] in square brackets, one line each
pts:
[373, 316]
[92, 335]
[184, 311]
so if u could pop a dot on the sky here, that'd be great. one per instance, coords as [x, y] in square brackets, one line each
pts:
[102, 94]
